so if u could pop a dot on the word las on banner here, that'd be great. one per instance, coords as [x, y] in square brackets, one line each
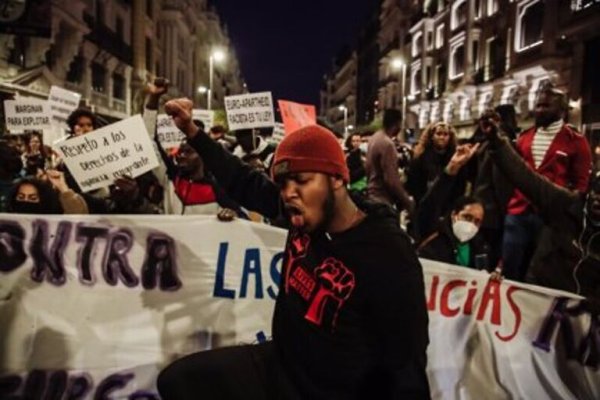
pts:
[247, 111]
[26, 114]
[251, 269]
[296, 116]
[48, 248]
[62, 103]
[98, 158]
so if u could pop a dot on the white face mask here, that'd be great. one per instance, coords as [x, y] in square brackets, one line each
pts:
[464, 230]
[364, 147]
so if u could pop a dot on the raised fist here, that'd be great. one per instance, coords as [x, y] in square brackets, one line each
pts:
[159, 87]
[181, 112]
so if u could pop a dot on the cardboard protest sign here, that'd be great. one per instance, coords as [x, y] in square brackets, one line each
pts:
[97, 158]
[247, 111]
[206, 116]
[26, 114]
[168, 134]
[62, 103]
[296, 115]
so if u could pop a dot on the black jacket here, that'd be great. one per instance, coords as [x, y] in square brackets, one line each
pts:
[442, 246]
[559, 261]
[350, 318]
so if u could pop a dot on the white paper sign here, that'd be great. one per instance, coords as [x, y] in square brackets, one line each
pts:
[206, 116]
[97, 158]
[62, 103]
[26, 114]
[278, 131]
[253, 110]
[168, 134]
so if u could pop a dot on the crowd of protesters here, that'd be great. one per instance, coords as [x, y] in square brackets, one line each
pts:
[523, 203]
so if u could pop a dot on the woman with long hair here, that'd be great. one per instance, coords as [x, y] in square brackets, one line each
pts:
[431, 154]
[35, 157]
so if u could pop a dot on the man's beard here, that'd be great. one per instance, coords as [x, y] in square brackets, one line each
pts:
[327, 210]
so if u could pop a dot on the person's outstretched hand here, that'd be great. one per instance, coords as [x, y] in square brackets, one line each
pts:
[461, 156]
[181, 112]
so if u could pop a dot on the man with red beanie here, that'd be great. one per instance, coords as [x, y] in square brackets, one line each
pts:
[350, 318]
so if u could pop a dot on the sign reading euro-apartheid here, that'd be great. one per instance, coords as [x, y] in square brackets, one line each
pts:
[62, 103]
[97, 158]
[26, 114]
[94, 307]
[168, 134]
[296, 115]
[247, 111]
[206, 116]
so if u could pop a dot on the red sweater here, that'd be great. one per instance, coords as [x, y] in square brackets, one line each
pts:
[567, 163]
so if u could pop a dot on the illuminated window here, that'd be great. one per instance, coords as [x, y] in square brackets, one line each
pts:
[530, 21]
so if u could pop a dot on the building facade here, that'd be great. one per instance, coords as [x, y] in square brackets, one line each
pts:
[109, 50]
[448, 60]
[338, 96]
[469, 55]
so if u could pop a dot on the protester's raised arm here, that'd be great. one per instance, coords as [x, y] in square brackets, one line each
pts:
[248, 187]
[543, 194]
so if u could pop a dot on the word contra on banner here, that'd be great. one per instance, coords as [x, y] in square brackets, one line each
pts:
[247, 111]
[62, 103]
[26, 114]
[98, 158]
[47, 254]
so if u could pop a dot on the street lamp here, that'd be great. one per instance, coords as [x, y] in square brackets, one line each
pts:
[216, 56]
[398, 64]
[204, 90]
[345, 110]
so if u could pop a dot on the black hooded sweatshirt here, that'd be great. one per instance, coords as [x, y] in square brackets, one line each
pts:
[350, 318]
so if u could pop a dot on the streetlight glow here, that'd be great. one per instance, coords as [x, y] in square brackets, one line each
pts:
[202, 89]
[345, 110]
[397, 63]
[217, 56]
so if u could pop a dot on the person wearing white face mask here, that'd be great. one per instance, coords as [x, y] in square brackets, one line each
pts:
[456, 240]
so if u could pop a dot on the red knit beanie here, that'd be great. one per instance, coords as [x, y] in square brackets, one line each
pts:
[310, 149]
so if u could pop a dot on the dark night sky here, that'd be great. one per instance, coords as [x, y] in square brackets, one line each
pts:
[287, 46]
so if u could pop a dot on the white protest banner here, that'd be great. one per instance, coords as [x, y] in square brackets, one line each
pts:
[26, 114]
[206, 116]
[168, 134]
[62, 103]
[97, 158]
[105, 303]
[246, 111]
